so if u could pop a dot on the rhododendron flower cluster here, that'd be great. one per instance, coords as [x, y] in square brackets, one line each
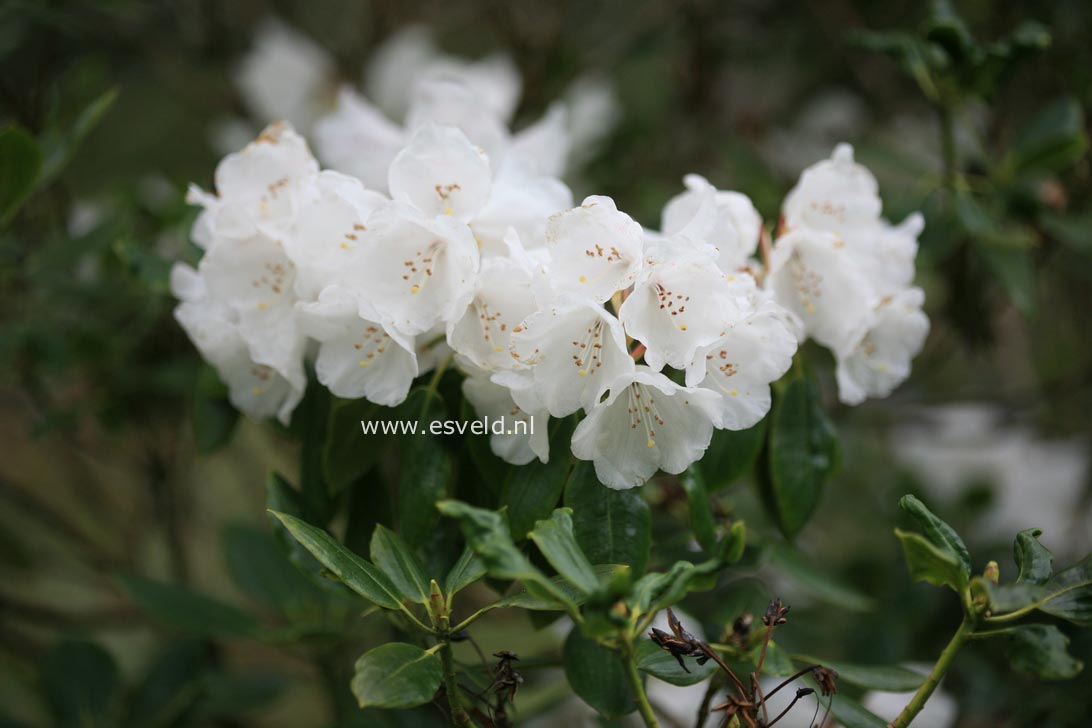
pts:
[469, 247]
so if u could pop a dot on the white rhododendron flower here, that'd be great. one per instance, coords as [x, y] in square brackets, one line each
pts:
[574, 351]
[444, 237]
[646, 423]
[847, 273]
[727, 220]
[595, 250]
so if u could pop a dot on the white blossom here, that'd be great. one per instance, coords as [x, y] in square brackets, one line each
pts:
[595, 250]
[523, 434]
[726, 220]
[646, 423]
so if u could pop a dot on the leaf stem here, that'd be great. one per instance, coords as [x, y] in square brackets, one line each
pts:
[634, 678]
[966, 628]
[459, 716]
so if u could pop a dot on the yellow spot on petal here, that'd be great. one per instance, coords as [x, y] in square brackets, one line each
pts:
[583, 372]
[256, 391]
[344, 246]
[263, 306]
[448, 211]
[364, 363]
[583, 279]
[811, 308]
[498, 349]
[731, 278]
[414, 288]
[682, 327]
[651, 443]
[734, 393]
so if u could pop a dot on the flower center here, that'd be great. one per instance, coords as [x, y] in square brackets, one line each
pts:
[489, 321]
[643, 412]
[371, 345]
[672, 304]
[588, 354]
[808, 283]
[418, 269]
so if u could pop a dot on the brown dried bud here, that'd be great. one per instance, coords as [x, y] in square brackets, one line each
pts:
[826, 678]
[775, 613]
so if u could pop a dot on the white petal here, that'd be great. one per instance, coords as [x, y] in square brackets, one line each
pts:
[834, 195]
[544, 146]
[740, 366]
[595, 250]
[726, 220]
[330, 233]
[453, 103]
[502, 299]
[682, 302]
[522, 201]
[647, 423]
[575, 349]
[441, 173]
[521, 436]
[814, 275]
[881, 361]
[420, 271]
[358, 139]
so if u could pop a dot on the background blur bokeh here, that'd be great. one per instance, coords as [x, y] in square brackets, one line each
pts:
[104, 475]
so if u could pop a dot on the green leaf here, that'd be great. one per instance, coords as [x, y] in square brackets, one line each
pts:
[731, 454]
[611, 526]
[347, 453]
[702, 522]
[60, 148]
[356, 573]
[260, 566]
[80, 681]
[655, 591]
[596, 675]
[939, 533]
[167, 689]
[391, 554]
[396, 675]
[778, 662]
[1052, 141]
[188, 610]
[801, 454]
[1034, 562]
[214, 417]
[538, 600]
[532, 491]
[852, 714]
[812, 580]
[928, 563]
[554, 538]
[662, 665]
[731, 547]
[426, 470]
[20, 163]
[889, 678]
[467, 570]
[1015, 271]
[1067, 594]
[487, 533]
[1042, 650]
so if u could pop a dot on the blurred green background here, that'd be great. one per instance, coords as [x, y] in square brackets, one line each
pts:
[104, 474]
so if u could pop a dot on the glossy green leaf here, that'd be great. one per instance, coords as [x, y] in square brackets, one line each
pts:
[889, 678]
[391, 554]
[80, 681]
[20, 164]
[538, 600]
[532, 491]
[1042, 650]
[801, 454]
[928, 563]
[467, 570]
[353, 571]
[730, 455]
[596, 675]
[662, 665]
[1034, 562]
[426, 470]
[702, 522]
[347, 453]
[59, 148]
[851, 714]
[187, 610]
[1067, 594]
[778, 662]
[554, 538]
[938, 533]
[730, 548]
[396, 675]
[611, 526]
